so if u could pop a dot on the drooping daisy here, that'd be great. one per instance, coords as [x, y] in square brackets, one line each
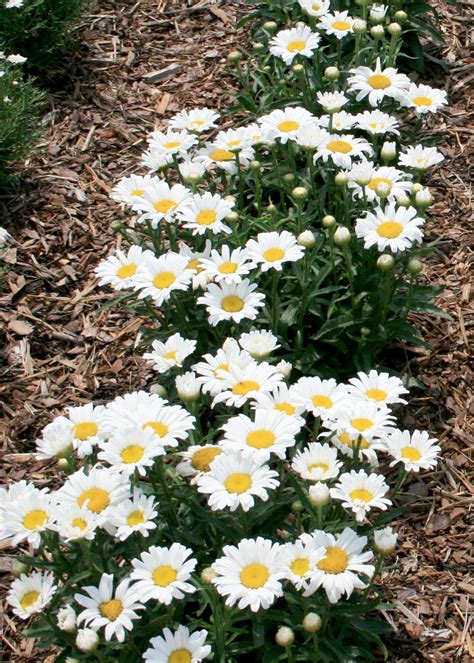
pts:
[424, 99]
[171, 353]
[321, 397]
[132, 187]
[213, 156]
[169, 423]
[419, 157]
[182, 646]
[200, 277]
[259, 343]
[206, 212]
[161, 573]
[159, 277]
[287, 44]
[56, 442]
[227, 265]
[249, 574]
[378, 387]
[30, 594]
[271, 250]
[104, 606]
[191, 171]
[395, 180]
[377, 83]
[311, 136]
[285, 123]
[187, 386]
[85, 423]
[368, 419]
[119, 270]
[24, 519]
[341, 121]
[172, 143]
[298, 561]
[232, 301]
[120, 412]
[212, 367]
[361, 492]
[282, 399]
[376, 122]
[73, 522]
[415, 450]
[160, 202]
[269, 432]
[234, 481]
[316, 462]
[394, 228]
[342, 148]
[338, 571]
[195, 120]
[243, 384]
[197, 460]
[315, 8]
[131, 449]
[338, 24]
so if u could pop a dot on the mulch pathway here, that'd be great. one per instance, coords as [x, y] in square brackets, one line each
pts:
[62, 346]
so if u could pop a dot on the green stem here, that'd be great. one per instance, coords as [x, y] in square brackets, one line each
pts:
[275, 302]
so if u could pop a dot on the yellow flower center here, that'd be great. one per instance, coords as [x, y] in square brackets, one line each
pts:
[335, 560]
[170, 355]
[375, 181]
[164, 280]
[318, 466]
[261, 439]
[322, 401]
[390, 229]
[157, 426]
[221, 367]
[234, 143]
[379, 81]
[300, 566]
[79, 523]
[359, 441]
[125, 271]
[194, 264]
[288, 125]
[28, 599]
[34, 519]
[111, 609]
[99, 499]
[341, 25]
[422, 101]
[297, 45]
[341, 146]
[202, 459]
[135, 518]
[376, 394]
[361, 423]
[180, 656]
[164, 575]
[221, 155]
[361, 494]
[228, 267]
[239, 482]
[132, 453]
[271, 255]
[287, 408]
[137, 192]
[172, 144]
[243, 388]
[316, 8]
[197, 123]
[206, 217]
[85, 430]
[411, 453]
[232, 304]
[164, 206]
[254, 576]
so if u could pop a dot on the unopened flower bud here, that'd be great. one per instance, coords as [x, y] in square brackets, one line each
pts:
[342, 236]
[403, 200]
[193, 178]
[359, 26]
[417, 187]
[388, 151]
[319, 494]
[395, 29]
[377, 14]
[377, 32]
[267, 68]
[232, 217]
[187, 387]
[331, 73]
[297, 69]
[285, 636]
[328, 221]
[87, 640]
[365, 331]
[158, 390]
[18, 568]
[385, 262]
[69, 659]
[297, 506]
[382, 189]
[385, 540]
[424, 198]
[400, 16]
[414, 266]
[341, 179]
[255, 165]
[288, 178]
[271, 208]
[230, 198]
[300, 193]
[116, 226]
[67, 619]
[270, 27]
[306, 239]
[258, 46]
[234, 57]
[64, 465]
[284, 367]
[208, 574]
[312, 622]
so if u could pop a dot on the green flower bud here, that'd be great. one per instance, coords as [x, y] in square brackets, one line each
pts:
[288, 178]
[158, 390]
[328, 221]
[365, 331]
[270, 27]
[300, 193]
[359, 26]
[116, 226]
[297, 69]
[341, 179]
[234, 57]
[306, 239]
[400, 16]
[414, 266]
[232, 217]
[385, 262]
[331, 73]
[18, 568]
[255, 165]
[342, 236]
[297, 506]
[312, 622]
[377, 32]
[207, 575]
[395, 29]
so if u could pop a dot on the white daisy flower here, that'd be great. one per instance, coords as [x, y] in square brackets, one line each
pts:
[191, 170]
[338, 571]
[134, 515]
[424, 99]
[341, 121]
[315, 8]
[206, 212]
[368, 419]
[420, 158]
[361, 492]
[67, 619]
[394, 228]
[131, 449]
[259, 343]
[298, 561]
[171, 353]
[116, 610]
[283, 399]
[271, 250]
[120, 412]
[321, 397]
[213, 156]
[378, 387]
[385, 540]
[393, 178]
[212, 367]
[154, 160]
[56, 442]
[85, 423]
[316, 462]
[160, 202]
[415, 450]
[182, 646]
[342, 148]
[287, 44]
[16, 492]
[376, 122]
[119, 270]
[269, 432]
[231, 301]
[197, 460]
[347, 443]
[195, 120]
[378, 83]
[187, 386]
[227, 265]
[132, 187]
[172, 143]
[161, 573]
[378, 12]
[234, 139]
[243, 384]
[338, 24]
[311, 135]
[30, 594]
[169, 423]
[24, 519]
[73, 522]
[285, 123]
[200, 277]
[159, 277]
[249, 574]
[255, 134]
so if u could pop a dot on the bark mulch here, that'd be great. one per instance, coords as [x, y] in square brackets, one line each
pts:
[62, 346]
